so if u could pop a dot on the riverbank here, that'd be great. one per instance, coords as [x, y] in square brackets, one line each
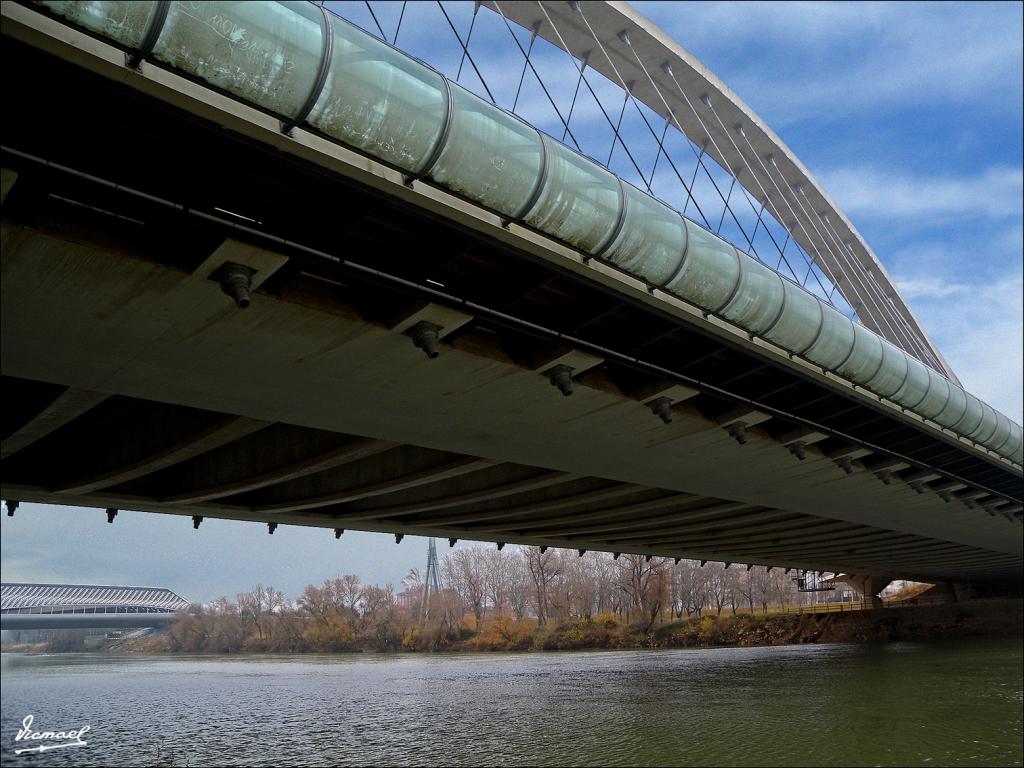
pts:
[991, 617]
[1001, 617]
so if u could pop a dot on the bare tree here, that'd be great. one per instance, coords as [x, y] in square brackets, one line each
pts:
[543, 567]
[519, 584]
[644, 581]
[717, 586]
[464, 570]
[256, 607]
[497, 572]
[581, 575]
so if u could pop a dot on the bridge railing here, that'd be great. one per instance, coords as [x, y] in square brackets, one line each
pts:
[70, 610]
[864, 605]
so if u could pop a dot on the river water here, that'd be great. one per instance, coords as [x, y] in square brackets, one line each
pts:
[895, 704]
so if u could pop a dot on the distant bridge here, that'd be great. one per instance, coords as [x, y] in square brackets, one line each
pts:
[80, 606]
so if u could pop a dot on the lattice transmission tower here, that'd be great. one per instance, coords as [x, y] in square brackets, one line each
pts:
[431, 580]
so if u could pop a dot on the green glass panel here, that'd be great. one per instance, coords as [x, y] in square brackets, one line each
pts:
[988, 425]
[892, 374]
[759, 298]
[124, 22]
[1013, 442]
[380, 101]
[972, 416]
[800, 321]
[580, 201]
[710, 270]
[652, 239]
[835, 340]
[490, 157]
[864, 361]
[265, 53]
[937, 397]
[915, 387]
[955, 408]
[1001, 435]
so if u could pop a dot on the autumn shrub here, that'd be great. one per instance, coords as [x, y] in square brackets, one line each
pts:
[503, 634]
[709, 630]
[609, 620]
[602, 633]
[335, 635]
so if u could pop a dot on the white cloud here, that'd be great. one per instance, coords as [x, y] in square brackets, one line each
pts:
[994, 193]
[930, 288]
[980, 330]
[849, 56]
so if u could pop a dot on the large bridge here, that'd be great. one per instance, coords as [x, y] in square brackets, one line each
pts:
[84, 606]
[371, 211]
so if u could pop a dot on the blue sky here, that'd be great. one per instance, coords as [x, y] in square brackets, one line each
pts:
[910, 115]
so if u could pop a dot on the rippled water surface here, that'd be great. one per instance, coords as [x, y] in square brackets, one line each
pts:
[898, 704]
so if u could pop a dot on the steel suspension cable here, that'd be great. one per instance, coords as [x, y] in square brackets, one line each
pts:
[565, 47]
[376, 21]
[618, 136]
[661, 148]
[668, 70]
[760, 186]
[465, 50]
[469, 36]
[693, 179]
[622, 84]
[528, 63]
[796, 218]
[734, 174]
[884, 310]
[924, 353]
[398, 27]
[625, 38]
[671, 117]
[841, 262]
[917, 336]
[575, 95]
[916, 339]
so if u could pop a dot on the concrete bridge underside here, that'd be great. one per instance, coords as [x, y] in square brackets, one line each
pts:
[132, 382]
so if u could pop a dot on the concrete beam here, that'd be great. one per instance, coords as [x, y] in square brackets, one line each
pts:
[849, 452]
[748, 417]
[675, 393]
[360, 449]
[604, 494]
[920, 476]
[8, 176]
[570, 525]
[225, 431]
[445, 472]
[714, 511]
[68, 406]
[803, 435]
[739, 521]
[547, 480]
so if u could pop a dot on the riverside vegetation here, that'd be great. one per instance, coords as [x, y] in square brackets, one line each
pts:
[520, 599]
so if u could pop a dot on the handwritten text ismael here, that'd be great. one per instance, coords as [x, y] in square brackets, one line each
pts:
[71, 738]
